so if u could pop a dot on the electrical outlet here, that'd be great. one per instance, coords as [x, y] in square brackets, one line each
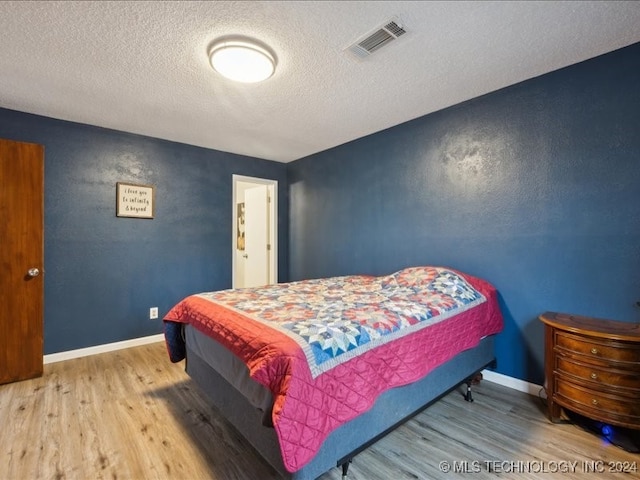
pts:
[153, 313]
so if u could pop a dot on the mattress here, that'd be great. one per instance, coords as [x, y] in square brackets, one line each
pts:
[231, 368]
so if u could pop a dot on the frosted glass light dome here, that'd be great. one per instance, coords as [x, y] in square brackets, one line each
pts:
[242, 61]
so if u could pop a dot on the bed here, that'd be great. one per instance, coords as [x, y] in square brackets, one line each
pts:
[313, 372]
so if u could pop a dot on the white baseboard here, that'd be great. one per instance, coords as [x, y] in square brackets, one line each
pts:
[516, 384]
[109, 347]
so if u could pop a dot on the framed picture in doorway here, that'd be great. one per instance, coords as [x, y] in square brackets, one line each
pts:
[240, 227]
[135, 201]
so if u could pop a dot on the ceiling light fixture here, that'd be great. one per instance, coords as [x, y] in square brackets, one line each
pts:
[242, 60]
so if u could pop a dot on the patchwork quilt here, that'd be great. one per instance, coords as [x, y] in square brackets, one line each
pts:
[326, 348]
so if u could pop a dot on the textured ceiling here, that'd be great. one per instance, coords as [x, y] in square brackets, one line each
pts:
[142, 67]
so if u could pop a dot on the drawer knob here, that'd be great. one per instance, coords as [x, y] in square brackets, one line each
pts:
[594, 401]
[594, 351]
[594, 375]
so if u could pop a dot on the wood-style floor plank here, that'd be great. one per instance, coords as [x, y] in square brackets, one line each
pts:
[131, 414]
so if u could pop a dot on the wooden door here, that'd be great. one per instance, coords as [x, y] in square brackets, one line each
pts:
[21, 260]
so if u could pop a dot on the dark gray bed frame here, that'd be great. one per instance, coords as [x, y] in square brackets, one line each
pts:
[391, 409]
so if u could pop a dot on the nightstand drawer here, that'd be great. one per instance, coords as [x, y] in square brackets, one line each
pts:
[597, 404]
[607, 377]
[599, 352]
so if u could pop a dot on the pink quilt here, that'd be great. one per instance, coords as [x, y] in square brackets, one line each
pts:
[353, 338]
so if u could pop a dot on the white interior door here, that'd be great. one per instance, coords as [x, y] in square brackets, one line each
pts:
[256, 253]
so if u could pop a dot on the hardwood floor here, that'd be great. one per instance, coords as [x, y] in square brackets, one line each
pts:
[131, 414]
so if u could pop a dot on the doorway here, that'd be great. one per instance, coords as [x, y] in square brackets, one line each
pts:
[255, 236]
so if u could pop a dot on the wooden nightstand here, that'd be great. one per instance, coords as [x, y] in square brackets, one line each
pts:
[592, 367]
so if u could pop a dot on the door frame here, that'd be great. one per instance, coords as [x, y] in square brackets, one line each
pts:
[273, 225]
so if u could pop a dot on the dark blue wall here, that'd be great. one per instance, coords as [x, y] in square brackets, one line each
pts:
[104, 272]
[535, 188]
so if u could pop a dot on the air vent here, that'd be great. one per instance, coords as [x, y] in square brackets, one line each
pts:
[377, 39]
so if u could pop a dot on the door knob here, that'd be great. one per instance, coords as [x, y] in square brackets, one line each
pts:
[33, 272]
[245, 256]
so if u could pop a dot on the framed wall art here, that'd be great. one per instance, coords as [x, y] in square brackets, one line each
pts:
[240, 227]
[135, 201]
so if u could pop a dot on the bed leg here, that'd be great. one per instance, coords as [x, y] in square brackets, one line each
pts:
[345, 468]
[467, 396]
